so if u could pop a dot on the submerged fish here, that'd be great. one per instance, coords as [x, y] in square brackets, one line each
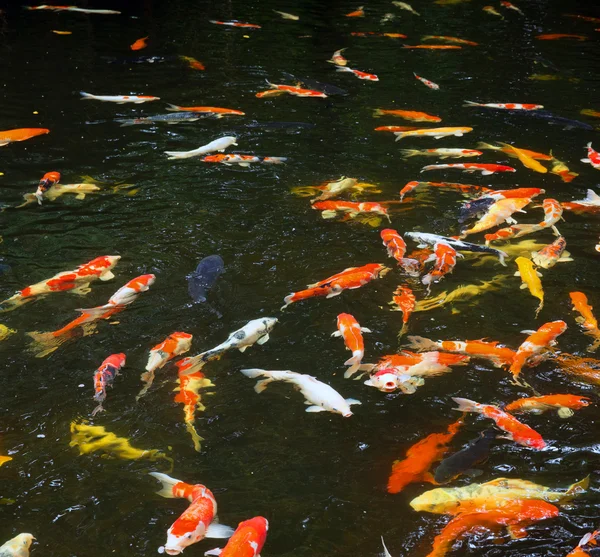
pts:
[564, 404]
[171, 118]
[216, 145]
[204, 277]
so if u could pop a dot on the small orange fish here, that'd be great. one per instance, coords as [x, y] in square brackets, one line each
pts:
[219, 112]
[359, 12]
[556, 36]
[404, 301]
[443, 38]
[20, 134]
[139, 44]
[590, 112]
[434, 46]
[394, 129]
[565, 404]
[586, 319]
[193, 63]
[419, 459]
[411, 115]
[56, 32]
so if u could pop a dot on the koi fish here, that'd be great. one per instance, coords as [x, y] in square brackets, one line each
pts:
[285, 15]
[514, 193]
[535, 344]
[361, 75]
[411, 115]
[350, 331]
[248, 538]
[590, 112]
[556, 36]
[217, 145]
[78, 281]
[565, 404]
[404, 301]
[395, 128]
[593, 157]
[296, 91]
[510, 152]
[17, 546]
[433, 46]
[359, 12]
[493, 494]
[348, 279]
[235, 23]
[197, 521]
[139, 44]
[526, 160]
[589, 204]
[510, 6]
[561, 169]
[320, 396]
[175, 118]
[351, 209]
[426, 82]
[492, 351]
[551, 254]
[104, 376]
[119, 99]
[516, 515]
[506, 106]
[441, 153]
[396, 248]
[243, 160]
[217, 111]
[516, 431]
[191, 380]
[71, 9]
[389, 380]
[419, 459]
[461, 461]
[583, 369]
[404, 6]
[373, 33]
[45, 343]
[531, 280]
[48, 180]
[334, 189]
[445, 260]
[586, 318]
[193, 63]
[338, 59]
[586, 545]
[446, 39]
[20, 134]
[499, 212]
[174, 345]
[424, 364]
[437, 133]
[57, 190]
[464, 188]
[485, 169]
[490, 10]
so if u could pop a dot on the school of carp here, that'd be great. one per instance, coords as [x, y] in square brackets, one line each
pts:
[418, 260]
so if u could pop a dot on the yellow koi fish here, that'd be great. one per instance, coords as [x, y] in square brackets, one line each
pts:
[525, 159]
[531, 280]
[55, 191]
[5, 459]
[5, 332]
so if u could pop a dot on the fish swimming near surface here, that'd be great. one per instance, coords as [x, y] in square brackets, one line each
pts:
[20, 134]
[338, 59]
[119, 99]
[72, 9]
[506, 106]
[411, 115]
[218, 112]
[140, 44]
[593, 157]
[396, 248]
[564, 404]
[247, 540]
[426, 82]
[587, 546]
[589, 204]
[436, 133]
[531, 280]
[403, 300]
[498, 213]
[104, 376]
[350, 330]
[285, 15]
[551, 254]
[586, 318]
[204, 277]
[243, 160]
[217, 145]
[235, 23]
[17, 546]
[361, 75]
[319, 396]
[171, 118]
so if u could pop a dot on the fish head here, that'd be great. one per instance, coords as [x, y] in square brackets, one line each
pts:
[385, 380]
[186, 535]
[21, 541]
[270, 322]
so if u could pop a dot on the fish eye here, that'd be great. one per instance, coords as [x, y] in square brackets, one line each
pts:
[188, 536]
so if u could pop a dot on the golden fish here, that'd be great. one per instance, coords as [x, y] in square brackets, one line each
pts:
[5, 459]
[527, 160]
[584, 369]
[531, 280]
[498, 213]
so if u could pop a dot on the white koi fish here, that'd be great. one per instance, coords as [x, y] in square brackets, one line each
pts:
[119, 99]
[217, 145]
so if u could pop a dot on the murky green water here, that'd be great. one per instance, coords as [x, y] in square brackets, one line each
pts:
[319, 479]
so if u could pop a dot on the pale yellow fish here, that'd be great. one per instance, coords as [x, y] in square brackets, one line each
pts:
[5, 332]
[405, 6]
[437, 133]
[527, 161]
[285, 15]
[62, 32]
[55, 191]
[531, 280]
[17, 546]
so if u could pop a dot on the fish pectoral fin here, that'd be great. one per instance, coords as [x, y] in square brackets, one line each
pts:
[352, 401]
[242, 348]
[263, 339]
[80, 196]
[523, 286]
[82, 290]
[328, 214]
[108, 275]
[516, 532]
[510, 220]
[538, 274]
[336, 291]
[244, 164]
[315, 409]
[218, 531]
[517, 274]
[365, 330]
[336, 334]
[216, 551]
[487, 173]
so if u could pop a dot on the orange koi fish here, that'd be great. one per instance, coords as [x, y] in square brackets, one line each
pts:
[235, 23]
[584, 369]
[515, 515]
[426, 82]
[511, 153]
[510, 6]
[590, 112]
[492, 351]
[589, 204]
[499, 212]
[556, 36]
[242, 160]
[586, 319]
[247, 540]
[589, 542]
[197, 521]
[78, 281]
[583, 17]
[359, 12]
[394, 129]
[373, 33]
[296, 91]
[404, 300]
[512, 194]
[434, 46]
[593, 157]
[445, 39]
[174, 345]
[411, 115]
[351, 332]
[506, 106]
[351, 209]
[338, 59]
[552, 254]
[516, 431]
[104, 376]
[419, 459]
[193, 63]
[396, 248]
[565, 404]
[20, 134]
[530, 352]
[348, 279]
[361, 75]
[139, 44]
[445, 260]
[218, 112]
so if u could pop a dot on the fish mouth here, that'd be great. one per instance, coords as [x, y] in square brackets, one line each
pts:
[347, 414]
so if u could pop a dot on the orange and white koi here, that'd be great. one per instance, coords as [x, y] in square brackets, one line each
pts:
[516, 431]
[296, 91]
[531, 351]
[104, 376]
[359, 12]
[247, 540]
[72, 9]
[529, 193]
[373, 33]
[348, 279]
[396, 248]
[404, 300]
[433, 46]
[445, 260]
[556, 36]
[593, 157]
[586, 319]
[235, 23]
[77, 281]
[446, 39]
[551, 254]
[351, 209]
[426, 82]
[565, 404]
[506, 106]
[119, 99]
[48, 180]
[499, 212]
[140, 44]
[361, 75]
[419, 458]
[350, 330]
[411, 115]
[492, 351]
[197, 521]
[174, 345]
[510, 6]
[418, 364]
[437, 133]
[485, 169]
[589, 204]
[441, 153]
[20, 134]
[243, 160]
[589, 543]
[215, 110]
[338, 59]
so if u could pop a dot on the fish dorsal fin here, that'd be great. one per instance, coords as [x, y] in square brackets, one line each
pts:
[592, 196]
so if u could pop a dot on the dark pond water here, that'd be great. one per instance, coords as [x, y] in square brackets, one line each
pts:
[318, 478]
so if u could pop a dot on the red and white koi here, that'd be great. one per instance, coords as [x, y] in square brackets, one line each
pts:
[426, 82]
[72, 9]
[104, 376]
[119, 99]
[350, 330]
[396, 248]
[485, 169]
[441, 153]
[506, 106]
[243, 160]
[338, 59]
[593, 157]
[510, 6]
[291, 90]
[361, 75]
[445, 260]
[589, 204]
[235, 23]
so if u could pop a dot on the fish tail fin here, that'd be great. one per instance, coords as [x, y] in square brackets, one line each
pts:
[377, 113]
[354, 364]
[167, 484]
[399, 135]
[483, 145]
[175, 155]
[409, 152]
[173, 107]
[578, 488]
[466, 405]
[45, 343]
[97, 311]
[421, 344]
[342, 69]
[187, 366]
[594, 346]
[196, 439]
[386, 553]
[86, 96]
[254, 373]
[288, 300]
[471, 103]
[126, 122]
[539, 308]
[275, 160]
[97, 410]
[403, 331]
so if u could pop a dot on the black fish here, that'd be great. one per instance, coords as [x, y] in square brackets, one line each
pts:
[474, 208]
[281, 125]
[140, 59]
[171, 118]
[552, 119]
[476, 451]
[206, 274]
